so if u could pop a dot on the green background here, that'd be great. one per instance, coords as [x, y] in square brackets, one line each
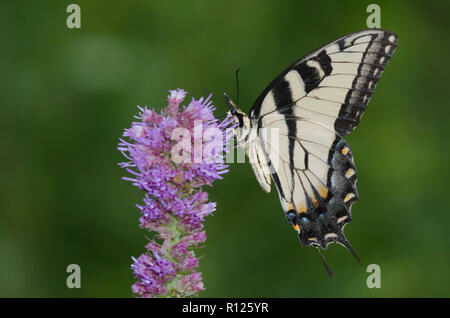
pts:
[67, 94]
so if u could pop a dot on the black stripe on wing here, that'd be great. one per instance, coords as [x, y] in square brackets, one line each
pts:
[311, 76]
[282, 96]
[374, 60]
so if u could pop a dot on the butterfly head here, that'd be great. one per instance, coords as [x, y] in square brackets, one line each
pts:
[242, 120]
[233, 109]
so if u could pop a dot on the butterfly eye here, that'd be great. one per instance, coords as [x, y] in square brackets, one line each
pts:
[233, 111]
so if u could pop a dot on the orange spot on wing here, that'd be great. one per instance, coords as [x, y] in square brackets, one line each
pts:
[323, 191]
[314, 200]
[345, 150]
[301, 208]
[296, 227]
[349, 196]
[350, 172]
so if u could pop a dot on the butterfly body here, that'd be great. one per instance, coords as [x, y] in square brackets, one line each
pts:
[312, 106]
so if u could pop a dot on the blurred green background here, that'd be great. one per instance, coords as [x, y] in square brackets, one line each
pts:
[67, 94]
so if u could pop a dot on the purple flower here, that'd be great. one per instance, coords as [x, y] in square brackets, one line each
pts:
[171, 155]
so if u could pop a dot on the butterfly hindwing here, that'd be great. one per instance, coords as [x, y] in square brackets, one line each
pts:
[260, 165]
[316, 182]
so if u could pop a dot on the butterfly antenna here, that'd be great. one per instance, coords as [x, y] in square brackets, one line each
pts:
[346, 244]
[237, 86]
[330, 273]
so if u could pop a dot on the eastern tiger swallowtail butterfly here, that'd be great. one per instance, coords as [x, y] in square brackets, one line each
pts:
[314, 104]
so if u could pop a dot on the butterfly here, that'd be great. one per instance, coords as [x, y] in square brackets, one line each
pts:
[313, 105]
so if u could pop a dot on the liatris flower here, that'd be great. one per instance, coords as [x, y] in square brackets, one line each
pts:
[172, 170]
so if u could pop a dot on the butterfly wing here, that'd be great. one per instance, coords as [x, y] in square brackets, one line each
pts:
[259, 163]
[312, 105]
